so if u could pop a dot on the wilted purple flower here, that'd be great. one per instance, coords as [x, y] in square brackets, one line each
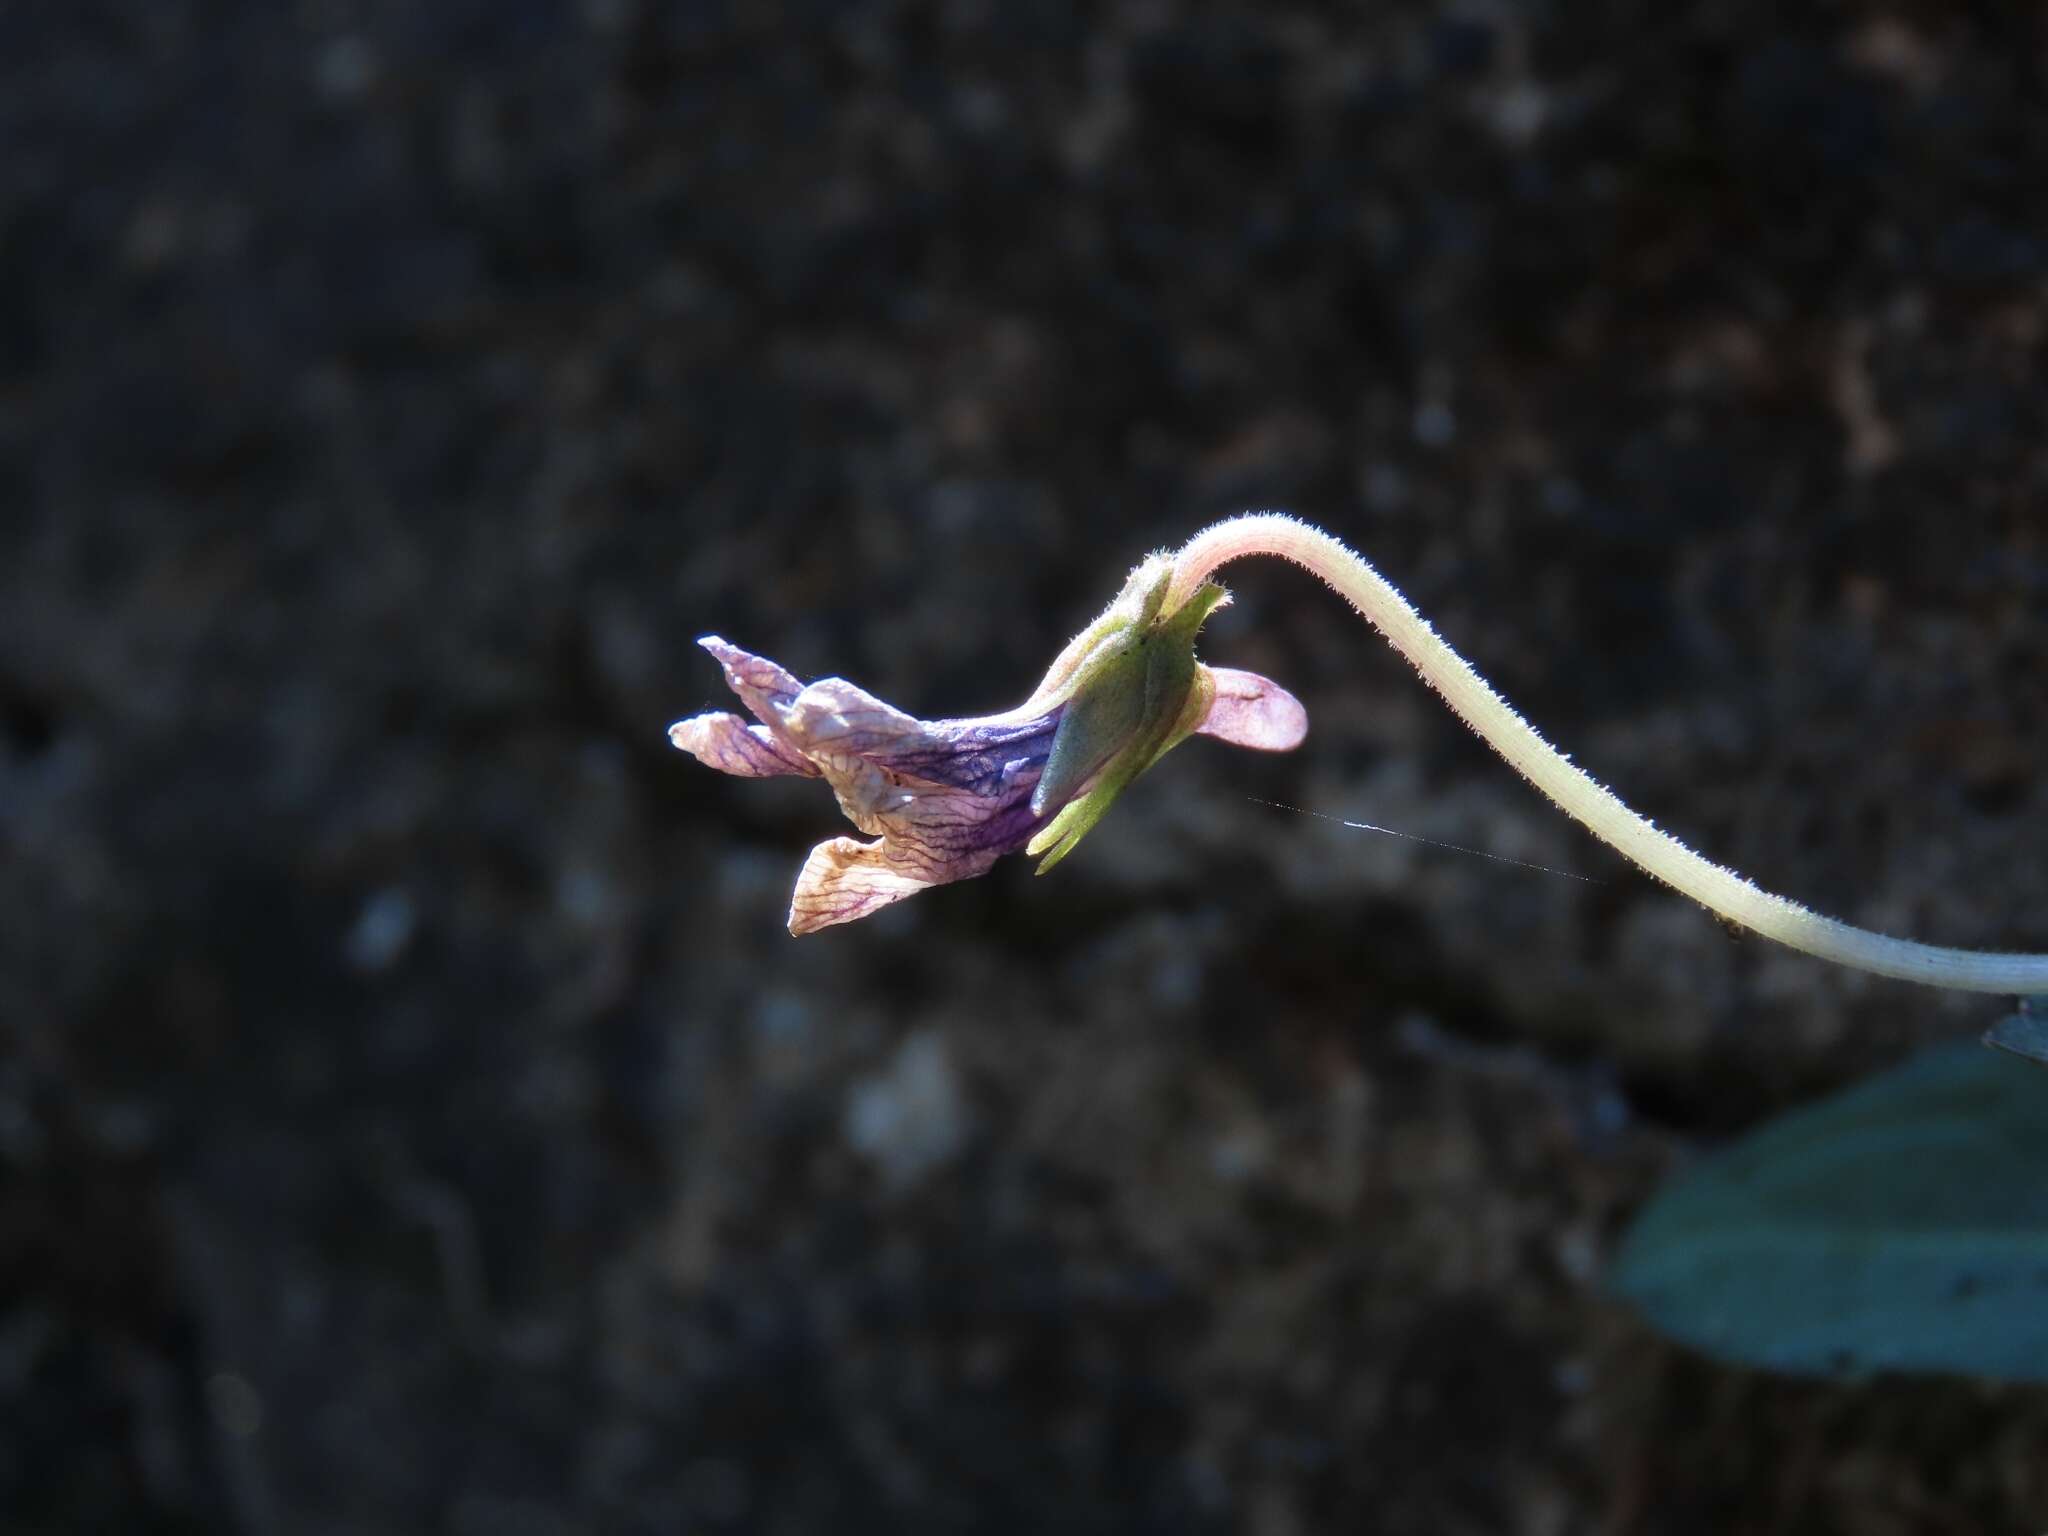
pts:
[944, 799]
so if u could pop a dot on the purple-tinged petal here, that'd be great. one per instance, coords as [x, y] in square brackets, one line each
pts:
[729, 744]
[947, 797]
[880, 759]
[943, 834]
[764, 687]
[1254, 711]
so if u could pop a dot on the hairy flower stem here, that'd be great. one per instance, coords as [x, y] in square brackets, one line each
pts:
[1575, 792]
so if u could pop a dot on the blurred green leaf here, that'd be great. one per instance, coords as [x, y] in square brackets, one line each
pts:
[1901, 1225]
[2025, 1033]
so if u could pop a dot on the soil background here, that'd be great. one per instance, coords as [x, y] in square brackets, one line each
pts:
[413, 1116]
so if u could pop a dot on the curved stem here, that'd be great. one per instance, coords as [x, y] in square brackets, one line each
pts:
[1574, 791]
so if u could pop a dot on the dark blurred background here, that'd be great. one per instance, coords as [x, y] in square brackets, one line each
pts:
[413, 1116]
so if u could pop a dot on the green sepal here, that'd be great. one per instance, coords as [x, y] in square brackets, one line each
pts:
[1136, 695]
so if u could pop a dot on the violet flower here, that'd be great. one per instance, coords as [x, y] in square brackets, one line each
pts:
[948, 798]
[944, 799]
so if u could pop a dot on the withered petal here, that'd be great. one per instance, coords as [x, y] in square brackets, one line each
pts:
[845, 879]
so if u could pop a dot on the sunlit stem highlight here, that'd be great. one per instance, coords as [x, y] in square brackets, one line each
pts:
[1574, 791]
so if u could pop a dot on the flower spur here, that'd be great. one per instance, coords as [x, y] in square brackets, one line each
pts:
[944, 799]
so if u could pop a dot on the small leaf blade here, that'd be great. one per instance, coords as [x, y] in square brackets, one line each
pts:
[1900, 1225]
[2025, 1034]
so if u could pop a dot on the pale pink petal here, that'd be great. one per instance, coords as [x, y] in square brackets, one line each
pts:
[1254, 711]
[729, 744]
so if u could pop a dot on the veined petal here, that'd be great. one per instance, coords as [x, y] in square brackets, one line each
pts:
[729, 744]
[850, 734]
[764, 687]
[1253, 711]
[847, 879]
[881, 760]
